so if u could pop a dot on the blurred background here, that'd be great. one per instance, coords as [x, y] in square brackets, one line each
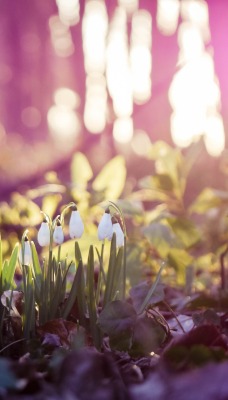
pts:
[108, 77]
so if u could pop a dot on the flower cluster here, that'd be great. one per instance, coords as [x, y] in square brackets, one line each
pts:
[46, 231]
[108, 226]
[53, 232]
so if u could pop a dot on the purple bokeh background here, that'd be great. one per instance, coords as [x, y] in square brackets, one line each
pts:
[30, 72]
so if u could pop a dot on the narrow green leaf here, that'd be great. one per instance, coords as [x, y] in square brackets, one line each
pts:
[111, 269]
[36, 268]
[73, 293]
[80, 296]
[9, 270]
[117, 271]
[29, 303]
[55, 301]
[1, 263]
[152, 290]
[91, 299]
[78, 254]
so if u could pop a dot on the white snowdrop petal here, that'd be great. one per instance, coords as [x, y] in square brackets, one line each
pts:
[119, 234]
[43, 235]
[26, 258]
[11, 296]
[76, 226]
[58, 235]
[105, 229]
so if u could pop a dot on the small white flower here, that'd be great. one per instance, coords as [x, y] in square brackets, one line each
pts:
[58, 235]
[105, 229]
[76, 226]
[11, 297]
[43, 235]
[119, 234]
[25, 255]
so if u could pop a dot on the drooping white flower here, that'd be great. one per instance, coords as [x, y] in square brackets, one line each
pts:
[43, 235]
[105, 228]
[9, 299]
[58, 235]
[76, 226]
[25, 254]
[119, 233]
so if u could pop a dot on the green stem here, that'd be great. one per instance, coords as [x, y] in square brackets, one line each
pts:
[152, 289]
[124, 267]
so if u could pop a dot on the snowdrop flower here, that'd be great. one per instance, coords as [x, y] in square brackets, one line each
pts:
[76, 226]
[105, 229]
[119, 233]
[58, 235]
[43, 236]
[12, 297]
[25, 255]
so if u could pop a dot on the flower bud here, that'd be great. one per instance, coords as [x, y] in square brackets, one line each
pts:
[105, 229]
[76, 226]
[119, 234]
[43, 235]
[25, 254]
[58, 235]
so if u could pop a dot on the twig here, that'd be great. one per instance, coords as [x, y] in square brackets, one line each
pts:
[174, 315]
[11, 344]
[222, 268]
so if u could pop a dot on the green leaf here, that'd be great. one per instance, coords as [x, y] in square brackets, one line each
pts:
[161, 237]
[162, 182]
[50, 203]
[117, 318]
[36, 270]
[73, 292]
[185, 230]
[91, 299]
[179, 259]
[208, 198]
[111, 179]
[81, 171]
[111, 272]
[9, 269]
[168, 161]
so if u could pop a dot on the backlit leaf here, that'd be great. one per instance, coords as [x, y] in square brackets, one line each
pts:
[185, 230]
[179, 259]
[81, 171]
[161, 237]
[111, 179]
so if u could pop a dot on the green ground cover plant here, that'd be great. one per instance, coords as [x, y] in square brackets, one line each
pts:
[128, 282]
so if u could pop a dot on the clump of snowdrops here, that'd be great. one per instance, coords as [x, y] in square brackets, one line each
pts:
[46, 291]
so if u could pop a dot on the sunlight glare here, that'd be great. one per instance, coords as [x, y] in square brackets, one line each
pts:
[94, 116]
[66, 97]
[140, 56]
[196, 11]
[69, 11]
[123, 129]
[140, 143]
[94, 30]
[214, 135]
[167, 16]
[63, 123]
[129, 5]
[185, 126]
[190, 42]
